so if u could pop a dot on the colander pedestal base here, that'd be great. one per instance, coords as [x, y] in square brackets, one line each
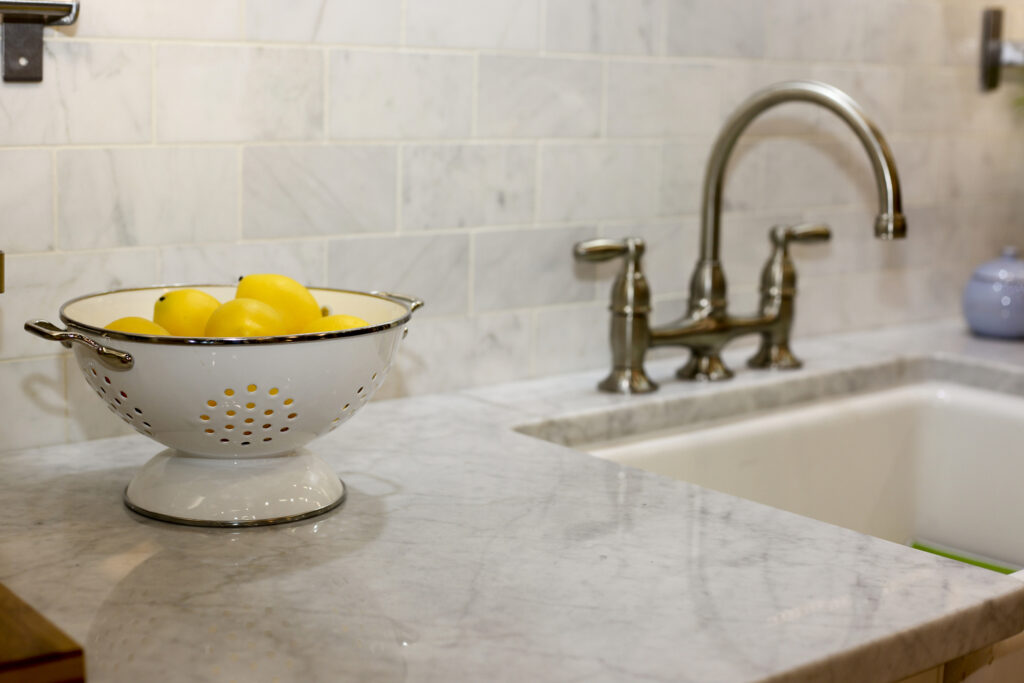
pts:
[222, 492]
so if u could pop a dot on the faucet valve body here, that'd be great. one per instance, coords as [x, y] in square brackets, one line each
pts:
[630, 333]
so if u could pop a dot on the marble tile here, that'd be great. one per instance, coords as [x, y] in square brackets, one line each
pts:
[605, 26]
[525, 268]
[802, 172]
[129, 197]
[26, 200]
[228, 94]
[317, 21]
[930, 102]
[434, 268]
[189, 19]
[682, 177]
[448, 186]
[91, 93]
[716, 28]
[38, 284]
[904, 31]
[496, 24]
[538, 97]
[570, 339]
[400, 95]
[33, 404]
[593, 182]
[490, 348]
[827, 30]
[662, 100]
[293, 191]
[303, 260]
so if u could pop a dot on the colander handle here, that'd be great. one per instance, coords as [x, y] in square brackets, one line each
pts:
[118, 360]
[410, 301]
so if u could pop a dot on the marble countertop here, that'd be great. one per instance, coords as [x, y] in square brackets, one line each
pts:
[468, 550]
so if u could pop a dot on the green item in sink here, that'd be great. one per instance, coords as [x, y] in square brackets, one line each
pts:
[967, 559]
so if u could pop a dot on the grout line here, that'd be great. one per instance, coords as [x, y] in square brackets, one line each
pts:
[400, 152]
[470, 275]
[605, 68]
[327, 96]
[152, 95]
[474, 125]
[240, 201]
[54, 201]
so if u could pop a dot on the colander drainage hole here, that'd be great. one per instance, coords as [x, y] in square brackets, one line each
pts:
[148, 425]
[107, 380]
[229, 392]
[137, 410]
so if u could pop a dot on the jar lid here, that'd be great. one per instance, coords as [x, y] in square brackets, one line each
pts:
[1007, 268]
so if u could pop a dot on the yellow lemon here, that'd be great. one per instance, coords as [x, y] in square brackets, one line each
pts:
[331, 323]
[136, 325]
[245, 318]
[288, 297]
[184, 312]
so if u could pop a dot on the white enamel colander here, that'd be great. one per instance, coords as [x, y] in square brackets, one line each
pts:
[234, 413]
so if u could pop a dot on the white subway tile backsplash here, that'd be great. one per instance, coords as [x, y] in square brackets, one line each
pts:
[303, 260]
[599, 181]
[292, 191]
[605, 26]
[504, 24]
[434, 268]
[26, 200]
[38, 284]
[400, 95]
[814, 30]
[716, 28]
[229, 94]
[450, 186]
[662, 100]
[525, 268]
[538, 97]
[324, 21]
[904, 31]
[572, 338]
[91, 93]
[454, 353]
[191, 19]
[33, 402]
[129, 197]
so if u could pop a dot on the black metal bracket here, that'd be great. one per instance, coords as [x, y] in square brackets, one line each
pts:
[22, 34]
[996, 52]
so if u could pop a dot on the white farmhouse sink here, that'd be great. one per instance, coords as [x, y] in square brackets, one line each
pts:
[942, 464]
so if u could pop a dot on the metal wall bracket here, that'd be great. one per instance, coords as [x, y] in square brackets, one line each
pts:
[996, 52]
[22, 33]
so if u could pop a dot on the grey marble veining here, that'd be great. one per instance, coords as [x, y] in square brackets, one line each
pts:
[468, 551]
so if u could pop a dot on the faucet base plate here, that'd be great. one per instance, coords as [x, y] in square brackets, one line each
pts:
[775, 356]
[704, 368]
[627, 381]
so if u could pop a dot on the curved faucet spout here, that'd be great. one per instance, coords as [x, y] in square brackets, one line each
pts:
[708, 283]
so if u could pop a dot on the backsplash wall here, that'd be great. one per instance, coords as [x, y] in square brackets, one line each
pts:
[456, 149]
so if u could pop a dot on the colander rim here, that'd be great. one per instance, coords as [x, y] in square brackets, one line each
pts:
[409, 304]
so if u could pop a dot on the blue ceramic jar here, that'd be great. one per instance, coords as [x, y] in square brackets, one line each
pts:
[994, 297]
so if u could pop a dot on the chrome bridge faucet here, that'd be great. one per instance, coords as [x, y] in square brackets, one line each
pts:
[707, 326]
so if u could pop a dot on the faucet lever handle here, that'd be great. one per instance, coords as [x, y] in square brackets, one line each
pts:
[782, 235]
[607, 249]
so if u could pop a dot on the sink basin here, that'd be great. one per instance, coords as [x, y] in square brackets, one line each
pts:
[936, 463]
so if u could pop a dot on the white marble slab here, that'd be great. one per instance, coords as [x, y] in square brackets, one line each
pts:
[467, 551]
